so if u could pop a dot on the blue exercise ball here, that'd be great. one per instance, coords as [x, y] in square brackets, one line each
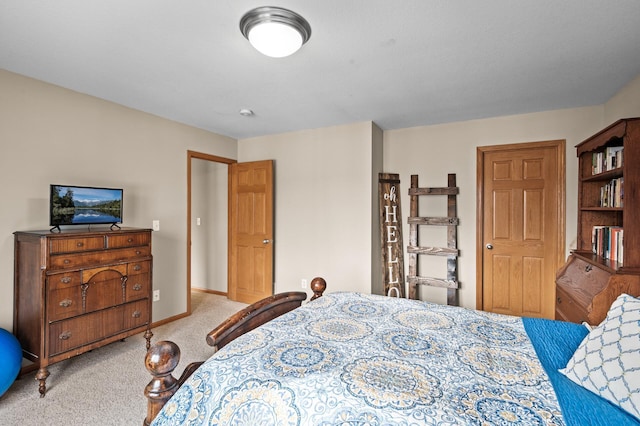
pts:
[10, 359]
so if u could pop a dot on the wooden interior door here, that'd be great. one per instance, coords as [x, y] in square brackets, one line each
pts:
[250, 231]
[521, 226]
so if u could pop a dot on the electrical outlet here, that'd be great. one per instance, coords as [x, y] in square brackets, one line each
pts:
[156, 295]
[303, 283]
[156, 225]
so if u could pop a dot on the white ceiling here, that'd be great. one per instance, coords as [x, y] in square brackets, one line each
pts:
[399, 63]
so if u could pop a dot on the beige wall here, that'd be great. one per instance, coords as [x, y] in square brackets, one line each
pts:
[52, 135]
[323, 201]
[625, 104]
[377, 143]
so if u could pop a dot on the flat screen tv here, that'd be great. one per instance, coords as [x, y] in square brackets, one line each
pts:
[84, 205]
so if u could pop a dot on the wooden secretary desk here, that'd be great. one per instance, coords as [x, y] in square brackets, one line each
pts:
[78, 290]
[606, 261]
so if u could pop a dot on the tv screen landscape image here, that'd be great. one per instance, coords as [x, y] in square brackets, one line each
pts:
[83, 205]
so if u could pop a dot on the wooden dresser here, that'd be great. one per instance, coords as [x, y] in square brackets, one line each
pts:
[604, 265]
[78, 290]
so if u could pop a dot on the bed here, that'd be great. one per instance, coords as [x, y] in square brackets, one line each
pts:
[357, 359]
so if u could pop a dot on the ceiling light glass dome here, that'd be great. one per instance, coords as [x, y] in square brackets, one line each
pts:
[274, 31]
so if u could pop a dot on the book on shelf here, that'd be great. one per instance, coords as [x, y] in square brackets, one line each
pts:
[612, 194]
[609, 159]
[607, 242]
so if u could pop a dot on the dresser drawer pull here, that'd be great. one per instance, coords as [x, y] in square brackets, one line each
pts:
[588, 268]
[80, 244]
[137, 267]
[66, 261]
[65, 335]
[66, 303]
[137, 286]
[65, 280]
[136, 314]
[130, 240]
[138, 252]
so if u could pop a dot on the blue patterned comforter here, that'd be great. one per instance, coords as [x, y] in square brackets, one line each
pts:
[355, 359]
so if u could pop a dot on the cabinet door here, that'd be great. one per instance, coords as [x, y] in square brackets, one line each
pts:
[105, 287]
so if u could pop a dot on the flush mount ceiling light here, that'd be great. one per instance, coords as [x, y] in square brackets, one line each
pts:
[275, 31]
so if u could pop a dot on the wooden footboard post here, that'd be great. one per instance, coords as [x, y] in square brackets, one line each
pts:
[318, 285]
[162, 358]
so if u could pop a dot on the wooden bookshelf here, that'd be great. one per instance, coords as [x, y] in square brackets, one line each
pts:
[589, 282]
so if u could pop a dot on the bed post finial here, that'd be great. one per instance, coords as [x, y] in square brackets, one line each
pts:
[162, 358]
[318, 285]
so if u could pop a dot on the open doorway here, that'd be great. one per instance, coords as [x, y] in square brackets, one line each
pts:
[207, 223]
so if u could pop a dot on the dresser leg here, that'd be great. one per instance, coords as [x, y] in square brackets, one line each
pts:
[41, 377]
[148, 335]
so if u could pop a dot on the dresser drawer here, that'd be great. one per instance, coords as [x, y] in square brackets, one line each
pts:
[64, 296]
[129, 240]
[75, 332]
[138, 287]
[136, 314]
[63, 280]
[138, 267]
[139, 280]
[75, 245]
[72, 261]
[83, 330]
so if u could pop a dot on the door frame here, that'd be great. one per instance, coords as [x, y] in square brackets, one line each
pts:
[207, 157]
[560, 148]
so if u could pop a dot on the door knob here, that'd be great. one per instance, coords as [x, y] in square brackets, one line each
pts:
[266, 241]
[489, 246]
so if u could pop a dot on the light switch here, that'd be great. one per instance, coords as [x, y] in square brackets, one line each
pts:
[156, 225]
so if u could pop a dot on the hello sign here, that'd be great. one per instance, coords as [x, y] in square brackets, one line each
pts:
[391, 234]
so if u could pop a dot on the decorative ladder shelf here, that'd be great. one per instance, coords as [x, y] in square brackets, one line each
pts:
[451, 251]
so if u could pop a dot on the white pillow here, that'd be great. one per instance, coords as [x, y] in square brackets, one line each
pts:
[607, 362]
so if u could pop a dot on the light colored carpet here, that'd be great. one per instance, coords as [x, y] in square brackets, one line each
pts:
[105, 386]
